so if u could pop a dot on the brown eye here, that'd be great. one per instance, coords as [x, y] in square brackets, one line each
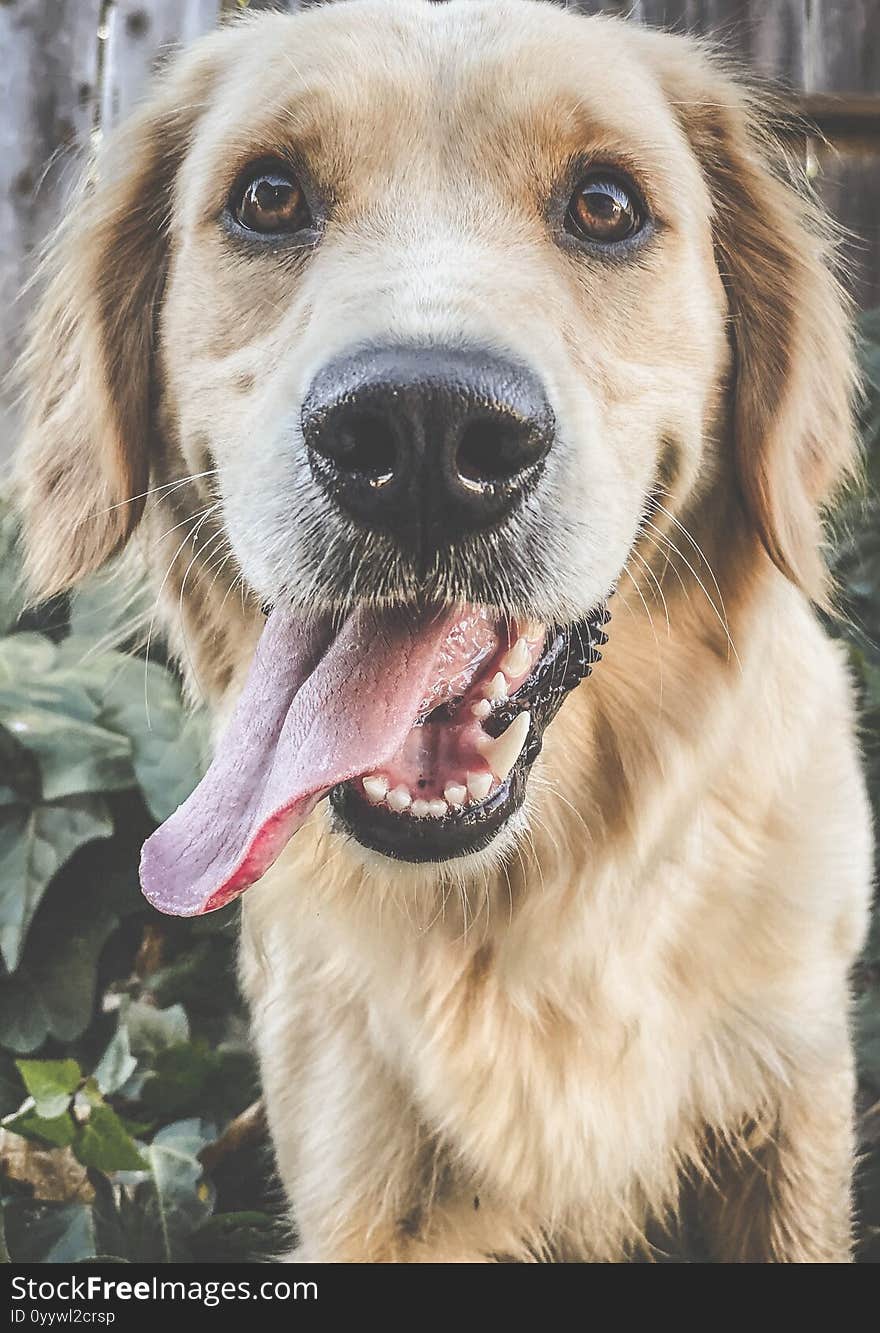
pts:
[272, 203]
[604, 209]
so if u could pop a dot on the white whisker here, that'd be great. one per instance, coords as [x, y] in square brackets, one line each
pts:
[168, 486]
[190, 536]
[722, 621]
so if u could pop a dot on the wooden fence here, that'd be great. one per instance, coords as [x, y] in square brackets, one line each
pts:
[70, 68]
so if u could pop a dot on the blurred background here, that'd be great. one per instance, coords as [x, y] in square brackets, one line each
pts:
[129, 1101]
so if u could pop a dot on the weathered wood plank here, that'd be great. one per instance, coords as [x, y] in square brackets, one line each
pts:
[48, 93]
[841, 116]
[849, 185]
[780, 38]
[846, 47]
[773, 38]
[141, 34]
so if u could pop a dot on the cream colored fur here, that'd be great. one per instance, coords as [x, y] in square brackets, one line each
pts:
[636, 1004]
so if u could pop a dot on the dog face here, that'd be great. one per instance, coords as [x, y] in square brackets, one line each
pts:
[434, 304]
[460, 201]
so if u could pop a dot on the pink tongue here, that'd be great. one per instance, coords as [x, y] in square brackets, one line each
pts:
[314, 711]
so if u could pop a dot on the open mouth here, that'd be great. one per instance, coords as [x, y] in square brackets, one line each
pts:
[420, 723]
[462, 770]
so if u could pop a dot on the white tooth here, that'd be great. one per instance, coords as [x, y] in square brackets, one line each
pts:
[516, 662]
[455, 794]
[481, 709]
[533, 630]
[399, 799]
[437, 808]
[479, 785]
[502, 753]
[376, 788]
[497, 687]
[420, 809]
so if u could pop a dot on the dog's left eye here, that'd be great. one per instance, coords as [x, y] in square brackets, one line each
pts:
[271, 202]
[604, 209]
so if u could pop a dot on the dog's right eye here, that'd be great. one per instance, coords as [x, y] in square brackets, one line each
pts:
[604, 210]
[271, 202]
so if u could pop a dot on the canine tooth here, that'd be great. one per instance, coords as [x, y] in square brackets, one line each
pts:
[502, 752]
[455, 794]
[497, 687]
[437, 808]
[376, 788]
[516, 662]
[420, 809]
[481, 709]
[399, 799]
[479, 785]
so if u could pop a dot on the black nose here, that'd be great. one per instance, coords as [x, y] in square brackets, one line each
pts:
[427, 444]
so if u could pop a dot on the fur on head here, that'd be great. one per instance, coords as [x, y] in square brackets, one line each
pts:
[701, 380]
[155, 342]
[670, 916]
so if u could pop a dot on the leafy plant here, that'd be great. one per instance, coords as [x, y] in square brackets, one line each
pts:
[857, 567]
[130, 1128]
[124, 1064]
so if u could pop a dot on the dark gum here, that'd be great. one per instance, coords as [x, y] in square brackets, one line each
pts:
[568, 658]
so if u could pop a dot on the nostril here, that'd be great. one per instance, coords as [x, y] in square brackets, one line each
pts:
[364, 446]
[491, 450]
[426, 443]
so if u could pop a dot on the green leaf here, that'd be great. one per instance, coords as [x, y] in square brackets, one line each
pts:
[60, 694]
[110, 1237]
[192, 1078]
[21, 773]
[89, 1094]
[867, 1023]
[24, 1022]
[151, 1030]
[11, 591]
[49, 1233]
[168, 744]
[138, 1129]
[180, 1079]
[202, 976]
[58, 1131]
[176, 1199]
[51, 1083]
[24, 658]
[52, 993]
[117, 1064]
[111, 607]
[104, 1143]
[54, 997]
[34, 844]
[12, 1090]
[74, 757]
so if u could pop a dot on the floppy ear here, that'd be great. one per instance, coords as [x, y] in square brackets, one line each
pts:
[87, 370]
[790, 323]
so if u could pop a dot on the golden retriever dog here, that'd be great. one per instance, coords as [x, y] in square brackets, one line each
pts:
[436, 358]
